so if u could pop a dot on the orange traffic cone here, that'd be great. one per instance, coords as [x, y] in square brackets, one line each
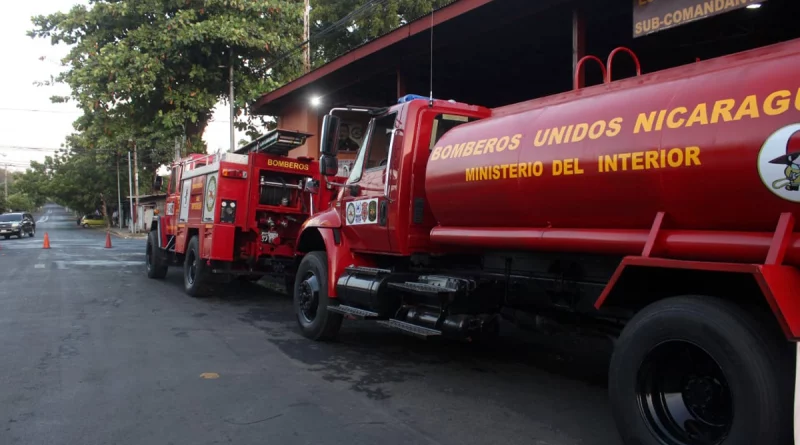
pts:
[46, 241]
[108, 240]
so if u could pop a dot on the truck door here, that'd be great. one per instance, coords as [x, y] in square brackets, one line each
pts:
[364, 199]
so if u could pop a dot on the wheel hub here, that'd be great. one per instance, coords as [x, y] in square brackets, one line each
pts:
[684, 396]
[308, 297]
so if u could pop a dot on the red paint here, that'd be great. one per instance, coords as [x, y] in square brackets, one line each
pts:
[719, 210]
[610, 61]
[780, 242]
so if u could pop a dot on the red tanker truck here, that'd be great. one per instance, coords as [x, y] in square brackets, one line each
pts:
[658, 210]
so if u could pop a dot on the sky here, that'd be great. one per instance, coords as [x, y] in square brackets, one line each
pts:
[27, 116]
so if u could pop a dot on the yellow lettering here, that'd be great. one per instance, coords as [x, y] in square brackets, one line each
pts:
[675, 157]
[644, 122]
[722, 108]
[468, 150]
[471, 174]
[502, 143]
[671, 122]
[512, 171]
[597, 129]
[478, 147]
[556, 135]
[496, 172]
[538, 168]
[692, 156]
[458, 150]
[505, 170]
[539, 142]
[770, 103]
[614, 126]
[578, 169]
[652, 159]
[514, 142]
[610, 163]
[749, 107]
[660, 122]
[558, 168]
[624, 157]
[490, 145]
[699, 115]
[636, 160]
[523, 170]
[581, 130]
[446, 151]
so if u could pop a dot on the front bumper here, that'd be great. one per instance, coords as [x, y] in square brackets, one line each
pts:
[10, 231]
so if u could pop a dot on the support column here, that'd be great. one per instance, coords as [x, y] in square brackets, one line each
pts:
[401, 84]
[578, 43]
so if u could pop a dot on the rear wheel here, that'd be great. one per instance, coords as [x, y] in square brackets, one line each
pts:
[311, 299]
[701, 371]
[195, 271]
[154, 258]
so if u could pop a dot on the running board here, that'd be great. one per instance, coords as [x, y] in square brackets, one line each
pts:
[370, 271]
[349, 310]
[422, 288]
[408, 328]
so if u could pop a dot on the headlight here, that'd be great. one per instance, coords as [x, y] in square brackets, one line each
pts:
[14, 224]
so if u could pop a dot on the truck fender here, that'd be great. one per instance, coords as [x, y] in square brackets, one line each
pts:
[777, 284]
[329, 218]
[330, 241]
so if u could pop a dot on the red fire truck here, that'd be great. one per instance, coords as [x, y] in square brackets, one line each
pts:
[236, 214]
[658, 210]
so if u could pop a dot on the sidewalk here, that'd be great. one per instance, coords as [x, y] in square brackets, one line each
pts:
[123, 233]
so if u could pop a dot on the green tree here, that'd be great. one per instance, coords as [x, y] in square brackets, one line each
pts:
[20, 202]
[150, 70]
[361, 21]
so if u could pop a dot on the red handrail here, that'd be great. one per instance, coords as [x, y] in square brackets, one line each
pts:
[576, 80]
[633, 56]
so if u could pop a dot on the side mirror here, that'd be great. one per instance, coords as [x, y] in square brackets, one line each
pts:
[312, 186]
[157, 182]
[329, 137]
[328, 165]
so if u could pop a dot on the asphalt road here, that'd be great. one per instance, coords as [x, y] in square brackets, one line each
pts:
[93, 352]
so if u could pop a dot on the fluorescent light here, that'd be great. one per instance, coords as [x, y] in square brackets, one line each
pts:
[315, 101]
[754, 6]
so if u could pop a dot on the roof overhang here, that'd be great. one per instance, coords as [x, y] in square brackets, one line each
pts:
[271, 103]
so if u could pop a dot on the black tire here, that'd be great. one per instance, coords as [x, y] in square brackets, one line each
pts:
[154, 258]
[311, 299]
[32, 233]
[722, 365]
[195, 271]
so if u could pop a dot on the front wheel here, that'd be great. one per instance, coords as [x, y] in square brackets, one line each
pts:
[311, 299]
[701, 371]
[32, 233]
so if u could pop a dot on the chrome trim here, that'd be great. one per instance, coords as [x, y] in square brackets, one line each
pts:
[389, 166]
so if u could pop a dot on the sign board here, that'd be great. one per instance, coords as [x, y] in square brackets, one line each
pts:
[210, 197]
[651, 16]
[186, 189]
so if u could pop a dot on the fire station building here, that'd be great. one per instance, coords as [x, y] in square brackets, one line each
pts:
[500, 52]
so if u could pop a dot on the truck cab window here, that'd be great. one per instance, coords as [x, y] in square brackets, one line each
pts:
[375, 150]
[444, 123]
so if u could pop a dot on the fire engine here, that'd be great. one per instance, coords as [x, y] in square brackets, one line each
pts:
[658, 210]
[236, 214]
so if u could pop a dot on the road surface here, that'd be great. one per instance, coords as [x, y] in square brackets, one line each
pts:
[95, 353]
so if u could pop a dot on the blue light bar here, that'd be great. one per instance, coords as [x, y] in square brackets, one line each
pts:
[410, 97]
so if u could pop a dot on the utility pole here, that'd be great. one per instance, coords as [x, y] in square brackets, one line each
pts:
[230, 86]
[306, 36]
[6, 182]
[119, 198]
[130, 187]
[135, 182]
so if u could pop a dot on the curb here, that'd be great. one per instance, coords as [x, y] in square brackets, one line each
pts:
[119, 235]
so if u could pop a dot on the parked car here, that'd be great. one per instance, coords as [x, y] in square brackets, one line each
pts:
[92, 221]
[17, 224]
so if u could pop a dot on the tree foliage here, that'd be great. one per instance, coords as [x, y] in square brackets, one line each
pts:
[150, 70]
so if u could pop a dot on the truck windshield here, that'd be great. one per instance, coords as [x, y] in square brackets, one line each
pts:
[374, 151]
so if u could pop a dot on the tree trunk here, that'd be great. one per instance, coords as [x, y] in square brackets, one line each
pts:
[194, 135]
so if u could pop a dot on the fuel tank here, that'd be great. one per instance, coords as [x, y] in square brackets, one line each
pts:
[714, 145]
